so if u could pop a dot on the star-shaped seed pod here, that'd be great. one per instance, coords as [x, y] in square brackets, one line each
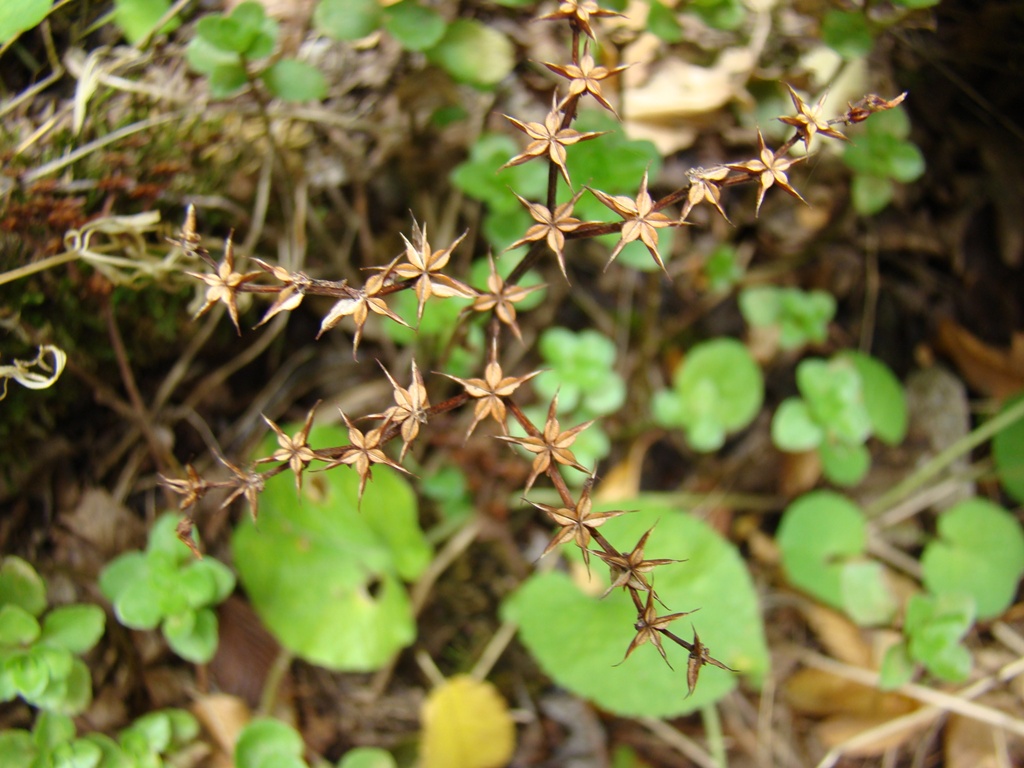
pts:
[364, 450]
[629, 569]
[549, 139]
[808, 121]
[648, 625]
[359, 305]
[246, 482]
[294, 450]
[586, 77]
[424, 265]
[502, 298]
[577, 524]
[579, 13]
[224, 284]
[770, 169]
[704, 188]
[410, 408]
[552, 444]
[291, 295]
[491, 392]
[699, 657]
[550, 227]
[191, 489]
[641, 221]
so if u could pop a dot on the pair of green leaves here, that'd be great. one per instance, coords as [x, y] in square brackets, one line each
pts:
[801, 317]
[880, 155]
[166, 587]
[469, 50]
[718, 390]
[843, 402]
[39, 654]
[270, 743]
[226, 45]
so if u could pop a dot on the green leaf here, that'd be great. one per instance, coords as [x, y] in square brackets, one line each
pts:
[588, 164]
[17, 749]
[29, 673]
[21, 585]
[153, 729]
[76, 628]
[870, 194]
[295, 81]
[884, 397]
[720, 390]
[847, 33]
[934, 625]
[897, 667]
[324, 574]
[479, 178]
[793, 429]
[112, 756]
[17, 626]
[819, 532]
[905, 162]
[474, 53]
[163, 539]
[844, 463]
[69, 695]
[137, 18]
[367, 757]
[416, 27]
[579, 639]
[867, 599]
[140, 606]
[980, 552]
[192, 635]
[52, 729]
[834, 394]
[722, 269]
[205, 58]
[1008, 454]
[662, 22]
[268, 743]
[21, 16]
[227, 80]
[760, 305]
[347, 19]
[720, 14]
[247, 31]
[76, 754]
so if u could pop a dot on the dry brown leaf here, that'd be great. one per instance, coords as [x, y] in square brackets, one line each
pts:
[623, 480]
[988, 369]
[837, 730]
[843, 639]
[223, 717]
[798, 473]
[972, 744]
[820, 694]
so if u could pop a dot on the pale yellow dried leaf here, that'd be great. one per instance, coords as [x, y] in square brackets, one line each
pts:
[466, 724]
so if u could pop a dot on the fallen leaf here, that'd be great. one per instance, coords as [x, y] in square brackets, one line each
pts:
[466, 724]
[821, 694]
[990, 370]
[223, 717]
[971, 744]
[843, 639]
[837, 730]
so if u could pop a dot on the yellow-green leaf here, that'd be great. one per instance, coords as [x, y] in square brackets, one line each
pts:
[466, 724]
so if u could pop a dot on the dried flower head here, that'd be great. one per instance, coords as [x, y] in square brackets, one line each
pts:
[360, 304]
[577, 524]
[586, 77]
[293, 450]
[502, 298]
[424, 265]
[641, 221]
[705, 188]
[291, 295]
[224, 284]
[552, 444]
[770, 169]
[245, 482]
[549, 139]
[629, 569]
[364, 449]
[410, 408]
[648, 628]
[550, 227]
[808, 121]
[579, 13]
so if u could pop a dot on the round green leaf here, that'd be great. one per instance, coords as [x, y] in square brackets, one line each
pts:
[139, 606]
[267, 742]
[295, 81]
[137, 18]
[793, 429]
[844, 464]
[884, 397]
[71, 694]
[818, 532]
[897, 667]
[474, 53]
[662, 21]
[720, 390]
[835, 396]
[760, 305]
[847, 33]
[204, 57]
[52, 729]
[867, 599]
[76, 754]
[906, 163]
[18, 17]
[416, 27]
[29, 673]
[192, 635]
[227, 79]
[367, 757]
[979, 552]
[21, 585]
[17, 626]
[870, 194]
[347, 19]
[1008, 454]
[578, 639]
[154, 731]
[76, 628]
[16, 749]
[323, 573]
